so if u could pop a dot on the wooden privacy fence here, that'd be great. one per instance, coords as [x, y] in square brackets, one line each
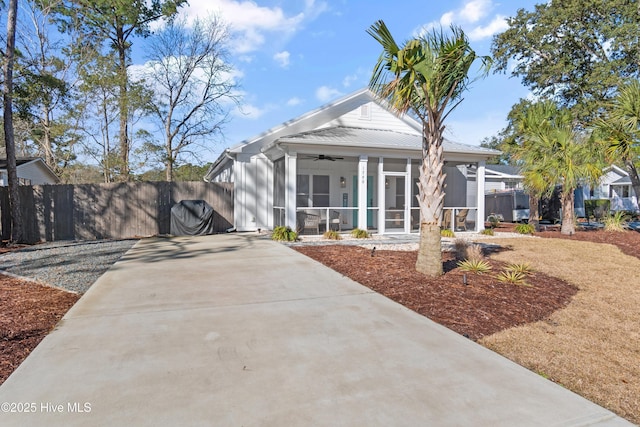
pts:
[110, 211]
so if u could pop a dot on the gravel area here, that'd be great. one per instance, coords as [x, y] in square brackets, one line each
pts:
[403, 242]
[72, 265]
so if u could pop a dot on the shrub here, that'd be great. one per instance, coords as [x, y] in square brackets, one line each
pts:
[522, 267]
[474, 252]
[525, 228]
[513, 277]
[494, 220]
[475, 265]
[360, 234]
[615, 222]
[447, 232]
[284, 234]
[487, 231]
[332, 235]
[461, 247]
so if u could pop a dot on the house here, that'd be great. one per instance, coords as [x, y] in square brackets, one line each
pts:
[348, 164]
[504, 182]
[615, 185]
[31, 171]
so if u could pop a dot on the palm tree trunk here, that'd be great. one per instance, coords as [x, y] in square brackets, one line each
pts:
[568, 220]
[431, 201]
[633, 175]
[534, 213]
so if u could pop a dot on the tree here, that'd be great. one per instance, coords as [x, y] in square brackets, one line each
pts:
[426, 76]
[554, 151]
[12, 173]
[97, 22]
[576, 52]
[620, 131]
[44, 85]
[193, 85]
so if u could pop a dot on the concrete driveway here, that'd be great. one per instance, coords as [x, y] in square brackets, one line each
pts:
[236, 330]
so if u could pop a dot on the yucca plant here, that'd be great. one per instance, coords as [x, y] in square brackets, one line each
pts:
[284, 234]
[522, 267]
[615, 222]
[475, 266]
[332, 235]
[360, 234]
[525, 228]
[513, 277]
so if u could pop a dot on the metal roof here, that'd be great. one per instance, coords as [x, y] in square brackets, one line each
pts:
[374, 139]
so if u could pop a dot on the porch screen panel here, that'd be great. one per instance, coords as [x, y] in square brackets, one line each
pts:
[278, 183]
[321, 190]
[302, 191]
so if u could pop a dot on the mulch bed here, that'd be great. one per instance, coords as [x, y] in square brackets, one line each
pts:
[28, 312]
[482, 307]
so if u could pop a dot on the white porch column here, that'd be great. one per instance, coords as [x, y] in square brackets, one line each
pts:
[480, 196]
[407, 198]
[362, 192]
[291, 172]
[381, 196]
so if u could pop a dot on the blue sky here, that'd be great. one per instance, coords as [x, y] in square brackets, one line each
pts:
[293, 56]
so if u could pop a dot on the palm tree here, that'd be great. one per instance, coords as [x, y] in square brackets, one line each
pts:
[621, 131]
[425, 76]
[557, 153]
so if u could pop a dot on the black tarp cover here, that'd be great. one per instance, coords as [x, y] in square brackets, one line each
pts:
[191, 218]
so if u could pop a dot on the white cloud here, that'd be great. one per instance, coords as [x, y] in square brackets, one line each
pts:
[497, 25]
[359, 77]
[250, 23]
[471, 16]
[474, 10]
[294, 101]
[250, 111]
[326, 93]
[282, 58]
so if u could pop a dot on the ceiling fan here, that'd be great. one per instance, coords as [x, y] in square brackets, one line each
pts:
[325, 157]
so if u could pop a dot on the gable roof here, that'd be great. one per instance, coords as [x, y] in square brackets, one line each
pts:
[305, 129]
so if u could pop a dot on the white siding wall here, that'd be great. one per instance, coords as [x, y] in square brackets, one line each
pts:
[371, 115]
[36, 173]
[253, 193]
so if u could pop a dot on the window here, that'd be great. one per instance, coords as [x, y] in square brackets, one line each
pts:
[312, 190]
[620, 191]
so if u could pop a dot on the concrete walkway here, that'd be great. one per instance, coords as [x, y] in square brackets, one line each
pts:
[234, 330]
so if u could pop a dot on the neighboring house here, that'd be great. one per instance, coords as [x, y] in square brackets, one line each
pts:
[31, 171]
[348, 164]
[615, 185]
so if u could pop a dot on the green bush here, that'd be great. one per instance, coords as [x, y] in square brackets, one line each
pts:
[284, 234]
[525, 228]
[447, 232]
[475, 265]
[360, 234]
[494, 220]
[487, 231]
[332, 235]
[615, 222]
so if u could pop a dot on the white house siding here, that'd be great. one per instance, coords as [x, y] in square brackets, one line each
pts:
[253, 193]
[372, 116]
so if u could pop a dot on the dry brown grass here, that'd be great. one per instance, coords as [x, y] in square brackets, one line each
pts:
[593, 345]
